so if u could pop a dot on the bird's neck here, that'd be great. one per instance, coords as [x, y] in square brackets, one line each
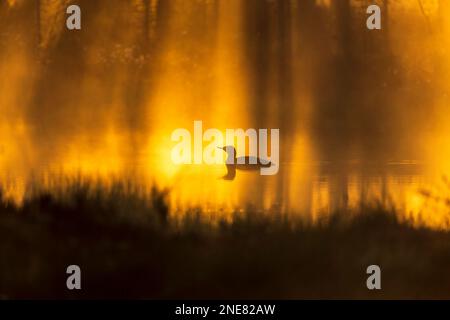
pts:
[231, 158]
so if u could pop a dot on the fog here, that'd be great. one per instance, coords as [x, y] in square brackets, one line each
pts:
[362, 114]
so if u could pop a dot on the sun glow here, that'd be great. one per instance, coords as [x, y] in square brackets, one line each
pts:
[104, 102]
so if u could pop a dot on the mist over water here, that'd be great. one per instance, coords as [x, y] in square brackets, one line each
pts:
[362, 114]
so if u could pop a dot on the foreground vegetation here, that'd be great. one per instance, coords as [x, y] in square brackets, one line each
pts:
[128, 247]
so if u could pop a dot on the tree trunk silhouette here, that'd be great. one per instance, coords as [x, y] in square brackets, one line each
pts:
[344, 25]
[386, 14]
[385, 25]
[146, 20]
[38, 23]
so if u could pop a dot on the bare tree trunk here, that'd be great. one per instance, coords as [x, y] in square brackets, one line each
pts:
[386, 14]
[38, 23]
[147, 9]
[385, 23]
[344, 24]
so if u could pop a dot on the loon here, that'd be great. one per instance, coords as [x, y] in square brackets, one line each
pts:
[245, 163]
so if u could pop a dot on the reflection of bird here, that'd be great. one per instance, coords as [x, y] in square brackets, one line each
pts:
[246, 163]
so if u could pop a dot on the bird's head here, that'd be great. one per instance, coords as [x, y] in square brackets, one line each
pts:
[228, 149]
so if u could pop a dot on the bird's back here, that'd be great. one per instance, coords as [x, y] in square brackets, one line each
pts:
[251, 163]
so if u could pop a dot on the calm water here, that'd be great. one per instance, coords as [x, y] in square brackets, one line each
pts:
[309, 189]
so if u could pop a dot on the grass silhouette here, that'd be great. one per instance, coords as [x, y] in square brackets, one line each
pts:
[128, 246]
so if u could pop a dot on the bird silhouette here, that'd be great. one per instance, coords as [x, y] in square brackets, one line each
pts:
[245, 163]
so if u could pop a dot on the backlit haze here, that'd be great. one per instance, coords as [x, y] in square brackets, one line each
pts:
[363, 115]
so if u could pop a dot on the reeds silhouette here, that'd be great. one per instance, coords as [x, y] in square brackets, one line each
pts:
[128, 246]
